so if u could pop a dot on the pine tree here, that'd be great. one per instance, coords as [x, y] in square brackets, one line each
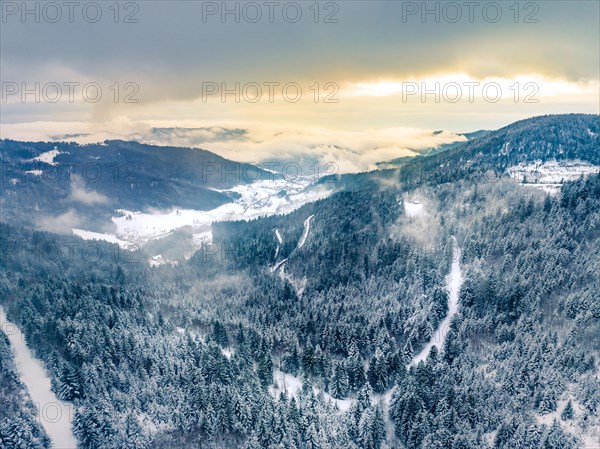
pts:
[339, 382]
[378, 372]
[568, 412]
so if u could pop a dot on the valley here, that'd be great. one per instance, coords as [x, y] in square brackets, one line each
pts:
[452, 306]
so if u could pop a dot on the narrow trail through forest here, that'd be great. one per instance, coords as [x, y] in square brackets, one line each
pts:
[454, 281]
[54, 415]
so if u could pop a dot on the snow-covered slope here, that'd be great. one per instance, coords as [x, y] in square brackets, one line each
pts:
[54, 415]
[48, 157]
[305, 232]
[550, 175]
[262, 198]
[413, 208]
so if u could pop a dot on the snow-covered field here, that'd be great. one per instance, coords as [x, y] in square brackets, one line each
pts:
[111, 238]
[413, 208]
[549, 176]
[262, 198]
[48, 156]
[453, 284]
[54, 415]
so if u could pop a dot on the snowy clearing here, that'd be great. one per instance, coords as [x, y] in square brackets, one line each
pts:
[285, 383]
[48, 157]
[551, 175]
[413, 208]
[290, 385]
[54, 415]
[259, 199]
[111, 238]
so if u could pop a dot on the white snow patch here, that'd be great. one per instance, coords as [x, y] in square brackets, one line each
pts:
[384, 400]
[342, 404]
[111, 238]
[285, 383]
[305, 231]
[279, 242]
[291, 385]
[453, 283]
[590, 435]
[202, 237]
[158, 260]
[54, 415]
[413, 208]
[551, 175]
[48, 156]
[227, 352]
[263, 198]
[277, 265]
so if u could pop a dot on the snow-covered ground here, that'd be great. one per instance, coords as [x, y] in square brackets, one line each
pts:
[278, 264]
[413, 208]
[291, 385]
[285, 383]
[278, 236]
[453, 284]
[305, 231]
[279, 242]
[384, 400]
[111, 238]
[550, 176]
[54, 415]
[262, 198]
[590, 436]
[158, 260]
[48, 156]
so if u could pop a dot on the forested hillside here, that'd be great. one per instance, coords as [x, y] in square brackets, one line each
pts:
[95, 179]
[299, 331]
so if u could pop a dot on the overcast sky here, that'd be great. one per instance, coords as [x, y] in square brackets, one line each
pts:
[377, 56]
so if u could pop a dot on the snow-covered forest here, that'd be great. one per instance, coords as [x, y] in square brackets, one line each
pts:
[498, 279]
